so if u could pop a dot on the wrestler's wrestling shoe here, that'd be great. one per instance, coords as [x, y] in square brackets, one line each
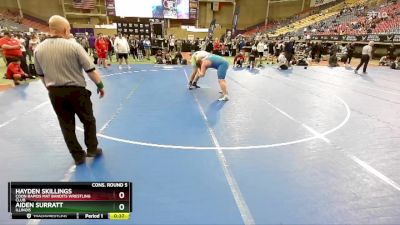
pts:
[193, 85]
[223, 98]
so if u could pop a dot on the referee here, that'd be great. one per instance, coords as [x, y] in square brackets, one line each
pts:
[365, 57]
[60, 64]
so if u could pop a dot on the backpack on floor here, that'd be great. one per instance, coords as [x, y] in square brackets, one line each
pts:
[32, 70]
[393, 65]
[333, 61]
[302, 62]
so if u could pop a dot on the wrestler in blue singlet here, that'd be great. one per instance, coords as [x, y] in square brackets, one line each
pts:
[220, 64]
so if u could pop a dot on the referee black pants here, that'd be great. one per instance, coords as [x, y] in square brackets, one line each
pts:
[68, 102]
[364, 60]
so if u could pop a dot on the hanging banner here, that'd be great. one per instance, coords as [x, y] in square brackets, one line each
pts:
[385, 38]
[235, 21]
[211, 30]
[110, 7]
[193, 8]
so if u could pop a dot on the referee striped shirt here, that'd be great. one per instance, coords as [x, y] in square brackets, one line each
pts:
[61, 62]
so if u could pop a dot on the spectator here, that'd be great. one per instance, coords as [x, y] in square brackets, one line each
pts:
[133, 47]
[193, 47]
[289, 50]
[92, 42]
[12, 49]
[23, 49]
[140, 50]
[216, 47]
[396, 64]
[168, 58]
[15, 72]
[318, 51]
[85, 43]
[178, 57]
[101, 50]
[343, 51]
[209, 46]
[350, 51]
[260, 51]
[228, 45]
[282, 62]
[110, 47]
[239, 59]
[391, 49]
[159, 57]
[122, 48]
[27, 37]
[234, 47]
[179, 45]
[279, 48]
[33, 42]
[147, 47]
[171, 44]
[222, 48]
[271, 51]
[333, 61]
[385, 60]
[252, 57]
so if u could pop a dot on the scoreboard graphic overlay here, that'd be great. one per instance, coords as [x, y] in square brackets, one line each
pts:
[70, 200]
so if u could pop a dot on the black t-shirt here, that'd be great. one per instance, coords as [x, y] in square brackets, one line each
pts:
[178, 56]
[140, 45]
[271, 47]
[289, 48]
[253, 55]
[391, 50]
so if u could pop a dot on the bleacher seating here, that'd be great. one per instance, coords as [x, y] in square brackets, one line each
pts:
[11, 25]
[274, 25]
[326, 14]
[359, 24]
[10, 21]
[352, 18]
[303, 23]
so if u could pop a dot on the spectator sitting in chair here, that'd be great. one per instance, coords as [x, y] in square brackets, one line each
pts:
[15, 72]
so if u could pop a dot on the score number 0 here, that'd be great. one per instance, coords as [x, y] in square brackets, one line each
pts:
[121, 206]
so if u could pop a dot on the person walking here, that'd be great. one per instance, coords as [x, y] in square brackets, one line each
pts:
[60, 64]
[365, 57]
